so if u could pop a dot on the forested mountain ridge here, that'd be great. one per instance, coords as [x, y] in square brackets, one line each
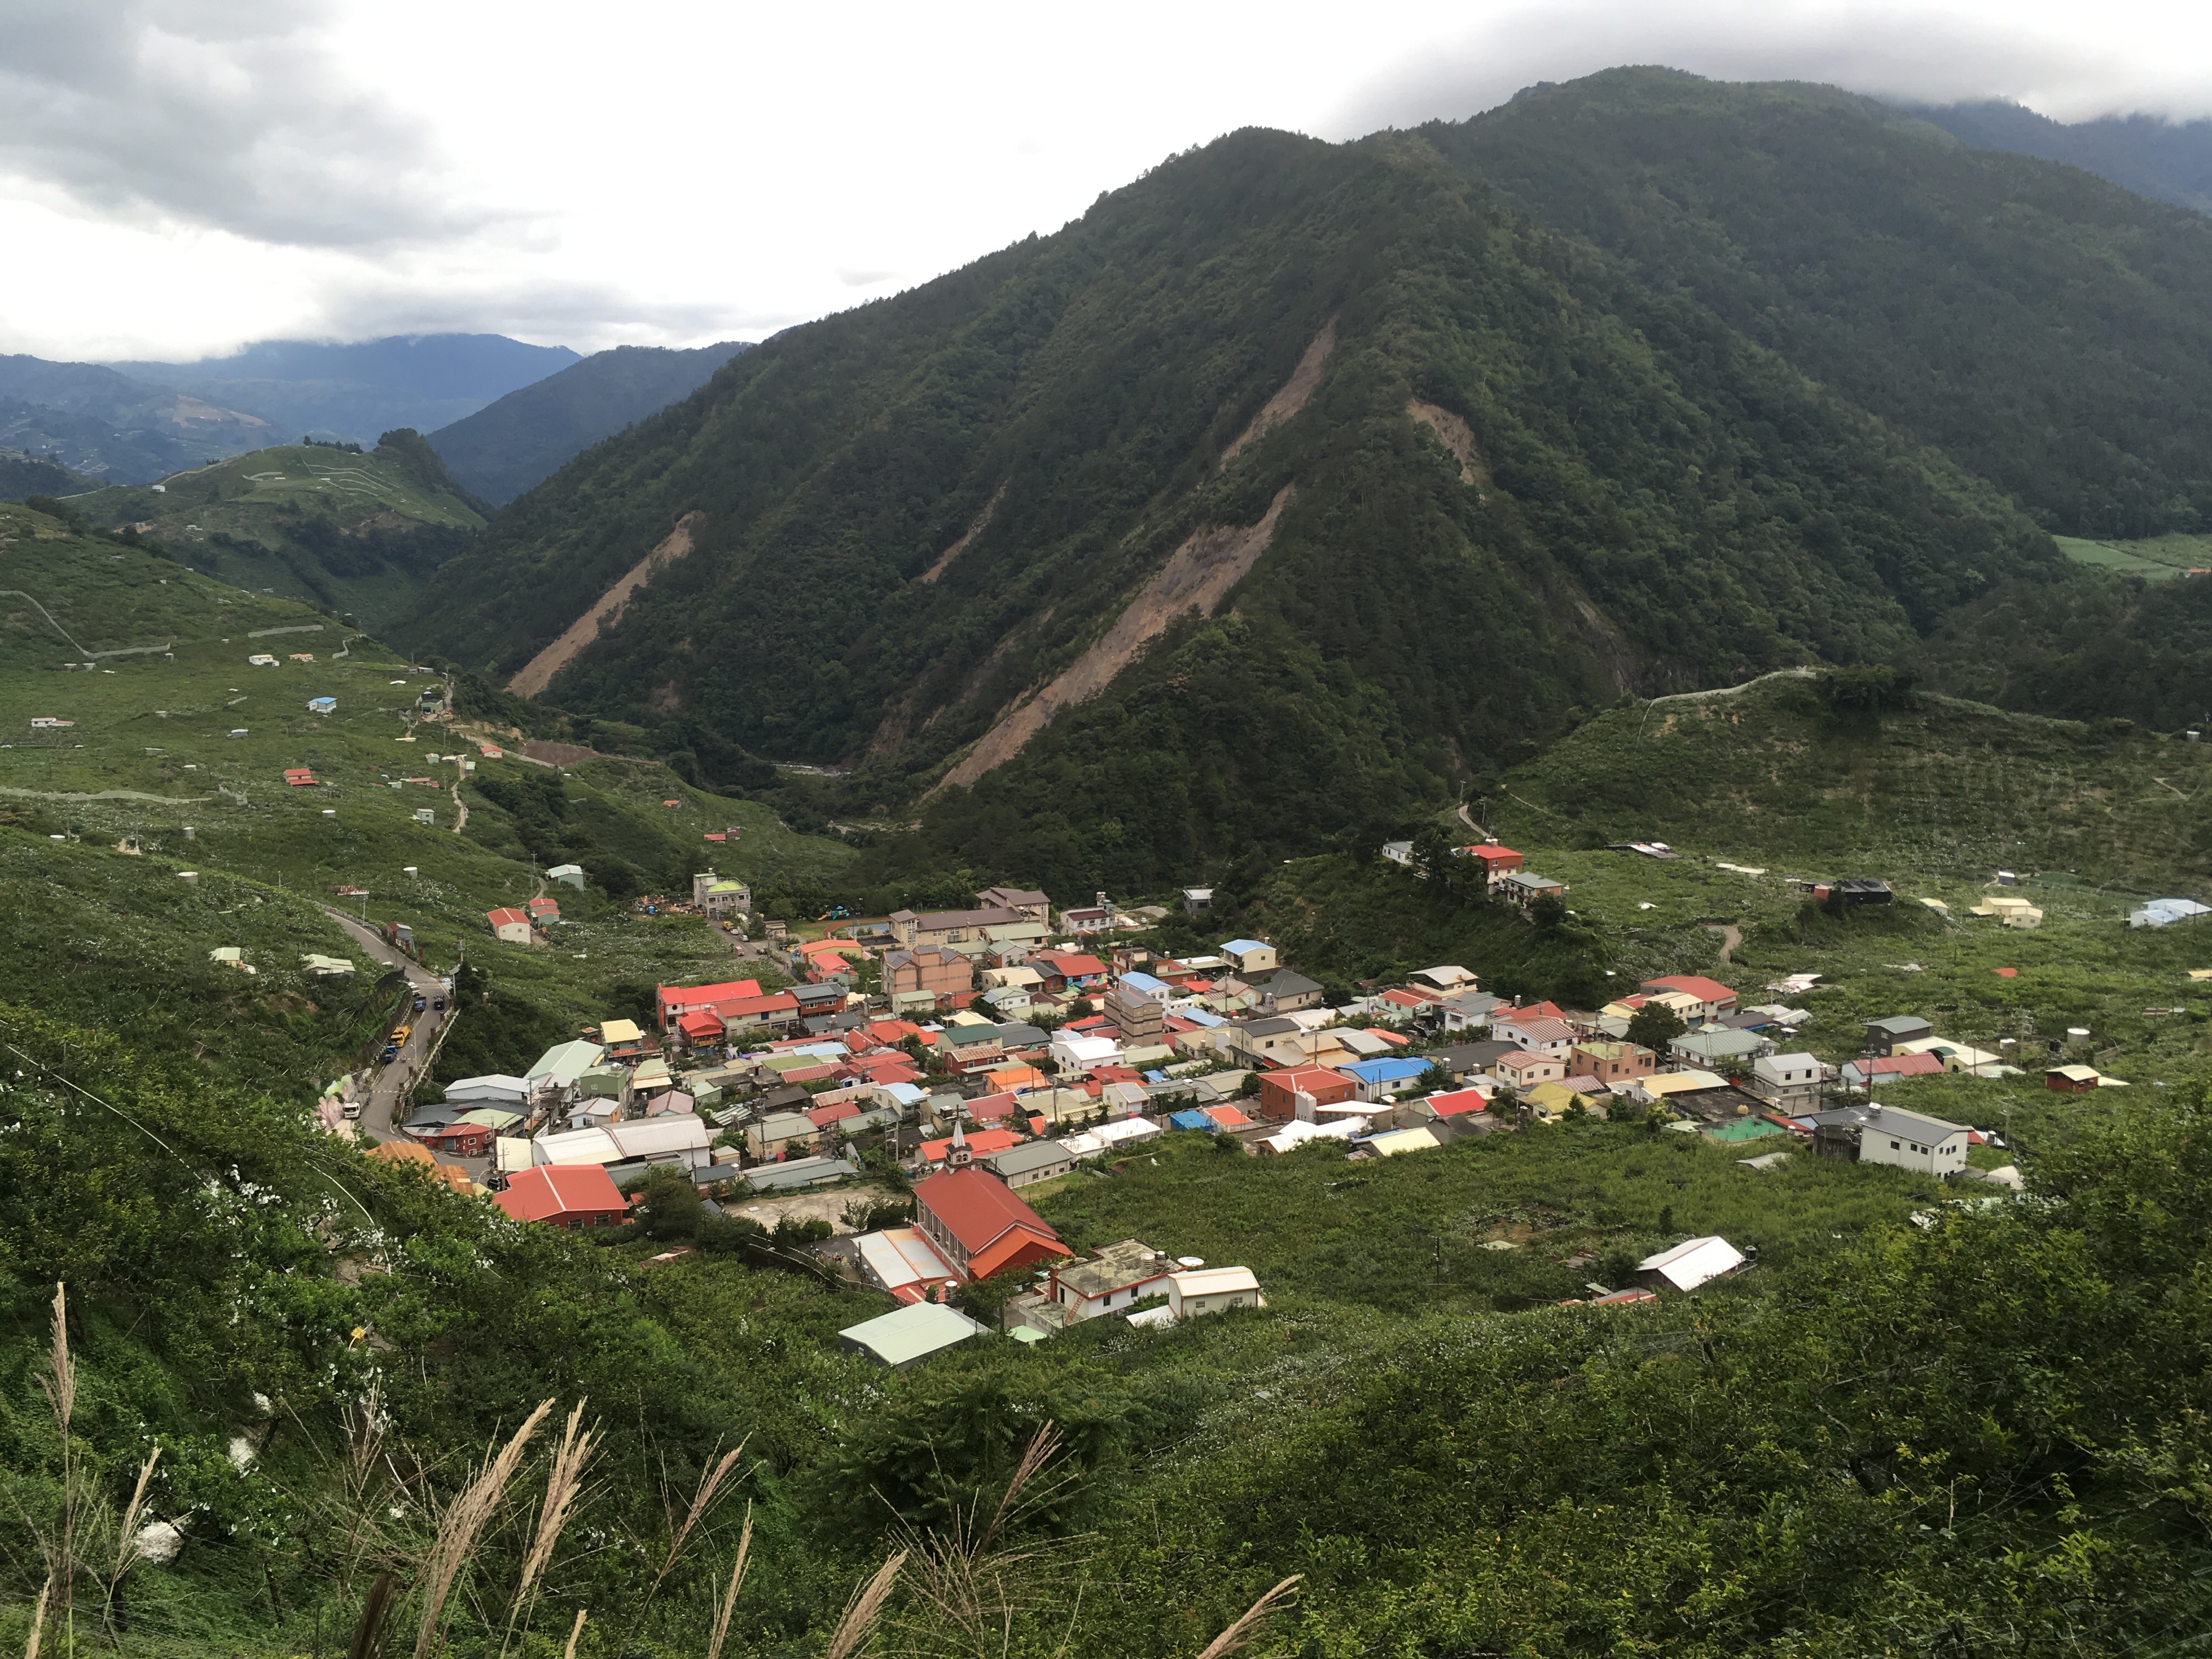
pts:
[1637, 385]
[2045, 328]
[525, 436]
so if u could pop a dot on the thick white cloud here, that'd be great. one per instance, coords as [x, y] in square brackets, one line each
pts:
[181, 175]
[235, 115]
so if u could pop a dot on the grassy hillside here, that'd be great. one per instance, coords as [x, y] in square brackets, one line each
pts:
[342, 530]
[150, 755]
[114, 942]
[1811, 771]
[526, 437]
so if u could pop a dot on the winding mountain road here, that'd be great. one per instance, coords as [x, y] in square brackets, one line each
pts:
[388, 1086]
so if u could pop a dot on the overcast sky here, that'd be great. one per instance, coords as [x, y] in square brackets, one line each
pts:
[178, 177]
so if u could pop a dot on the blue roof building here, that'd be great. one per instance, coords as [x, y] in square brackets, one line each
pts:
[1190, 1120]
[1374, 1079]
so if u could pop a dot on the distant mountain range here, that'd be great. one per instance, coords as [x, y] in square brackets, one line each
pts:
[362, 391]
[528, 434]
[506, 414]
[2166, 161]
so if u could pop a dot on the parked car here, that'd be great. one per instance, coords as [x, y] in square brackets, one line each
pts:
[390, 1053]
[420, 1004]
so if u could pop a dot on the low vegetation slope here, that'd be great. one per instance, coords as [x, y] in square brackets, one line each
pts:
[22, 474]
[1971, 1429]
[175, 760]
[343, 531]
[1856, 766]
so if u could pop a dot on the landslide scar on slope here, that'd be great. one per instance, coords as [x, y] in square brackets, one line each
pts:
[1197, 577]
[1458, 437]
[1294, 395]
[982, 522]
[538, 673]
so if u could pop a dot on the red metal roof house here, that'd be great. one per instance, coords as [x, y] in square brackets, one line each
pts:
[1714, 998]
[979, 1226]
[564, 1195]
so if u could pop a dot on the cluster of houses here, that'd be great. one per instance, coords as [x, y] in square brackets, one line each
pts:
[1026, 1041]
[970, 1225]
[988, 1049]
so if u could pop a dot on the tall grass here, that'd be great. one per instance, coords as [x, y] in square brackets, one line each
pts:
[464, 1520]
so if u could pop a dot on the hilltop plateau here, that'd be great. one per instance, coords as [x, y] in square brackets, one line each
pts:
[326, 525]
[172, 725]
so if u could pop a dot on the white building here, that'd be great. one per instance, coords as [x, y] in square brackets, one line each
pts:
[1073, 1051]
[1788, 1082]
[1928, 1146]
[1692, 1263]
[678, 1137]
[1113, 1281]
[1212, 1289]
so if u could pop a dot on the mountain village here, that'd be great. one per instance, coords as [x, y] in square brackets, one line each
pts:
[966, 1056]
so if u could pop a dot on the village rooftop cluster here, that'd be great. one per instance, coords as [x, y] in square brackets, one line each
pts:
[986, 1050]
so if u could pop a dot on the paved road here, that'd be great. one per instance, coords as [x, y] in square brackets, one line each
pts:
[389, 1084]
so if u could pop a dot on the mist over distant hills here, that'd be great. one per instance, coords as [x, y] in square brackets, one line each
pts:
[2167, 160]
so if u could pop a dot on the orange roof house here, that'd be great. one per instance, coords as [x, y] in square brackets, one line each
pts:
[1498, 861]
[408, 1151]
[979, 1225]
[564, 1195]
[676, 1000]
[1714, 998]
[982, 1144]
[1279, 1091]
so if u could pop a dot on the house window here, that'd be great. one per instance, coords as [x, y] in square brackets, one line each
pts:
[1892, 1145]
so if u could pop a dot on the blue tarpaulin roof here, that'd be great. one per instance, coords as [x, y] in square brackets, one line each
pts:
[1383, 1071]
[1190, 1120]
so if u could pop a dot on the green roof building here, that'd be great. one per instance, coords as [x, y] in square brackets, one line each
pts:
[910, 1335]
